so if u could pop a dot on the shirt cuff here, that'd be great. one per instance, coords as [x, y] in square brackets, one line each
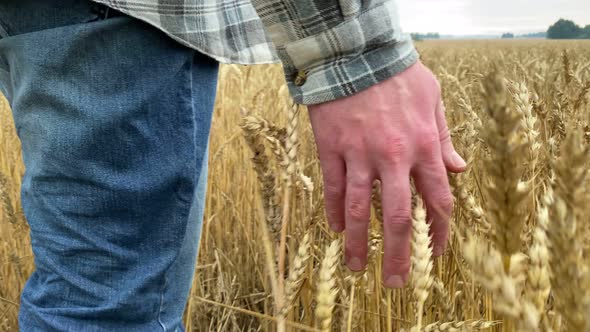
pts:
[348, 58]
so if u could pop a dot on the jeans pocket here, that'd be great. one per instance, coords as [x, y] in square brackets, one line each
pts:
[26, 16]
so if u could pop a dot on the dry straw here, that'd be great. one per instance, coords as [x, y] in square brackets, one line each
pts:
[520, 237]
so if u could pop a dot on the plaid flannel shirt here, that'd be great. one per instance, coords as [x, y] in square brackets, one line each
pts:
[329, 48]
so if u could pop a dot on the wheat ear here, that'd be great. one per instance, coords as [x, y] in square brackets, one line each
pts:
[297, 270]
[506, 208]
[538, 283]
[570, 273]
[488, 270]
[266, 178]
[421, 260]
[326, 289]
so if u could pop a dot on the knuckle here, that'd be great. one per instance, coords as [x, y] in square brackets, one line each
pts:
[354, 247]
[353, 146]
[399, 264]
[444, 135]
[357, 195]
[358, 208]
[332, 212]
[359, 180]
[440, 208]
[440, 236]
[400, 223]
[427, 141]
[394, 148]
[333, 189]
[445, 201]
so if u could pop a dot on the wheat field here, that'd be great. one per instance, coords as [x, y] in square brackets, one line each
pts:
[518, 260]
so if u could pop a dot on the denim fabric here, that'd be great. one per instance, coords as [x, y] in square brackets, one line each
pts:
[114, 120]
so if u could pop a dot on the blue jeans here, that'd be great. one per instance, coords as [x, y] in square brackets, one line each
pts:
[114, 120]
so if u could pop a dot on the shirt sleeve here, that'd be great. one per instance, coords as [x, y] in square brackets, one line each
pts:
[335, 48]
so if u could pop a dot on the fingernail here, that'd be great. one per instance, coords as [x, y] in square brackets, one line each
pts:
[355, 264]
[438, 250]
[394, 282]
[458, 161]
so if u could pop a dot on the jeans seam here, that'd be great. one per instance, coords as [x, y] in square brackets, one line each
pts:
[164, 288]
[161, 309]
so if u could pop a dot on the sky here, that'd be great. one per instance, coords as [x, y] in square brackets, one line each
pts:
[474, 17]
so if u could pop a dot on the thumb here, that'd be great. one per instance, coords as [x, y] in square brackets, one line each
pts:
[452, 160]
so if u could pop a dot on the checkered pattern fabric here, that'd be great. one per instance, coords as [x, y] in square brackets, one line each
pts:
[329, 48]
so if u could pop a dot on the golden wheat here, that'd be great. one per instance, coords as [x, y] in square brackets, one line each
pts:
[518, 258]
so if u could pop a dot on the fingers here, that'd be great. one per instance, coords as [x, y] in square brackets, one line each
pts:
[334, 171]
[430, 178]
[357, 214]
[397, 227]
[452, 160]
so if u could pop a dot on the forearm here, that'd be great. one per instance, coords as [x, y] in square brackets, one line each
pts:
[334, 48]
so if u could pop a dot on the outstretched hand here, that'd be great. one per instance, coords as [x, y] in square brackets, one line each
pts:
[391, 131]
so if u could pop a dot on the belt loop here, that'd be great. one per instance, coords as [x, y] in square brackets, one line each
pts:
[104, 12]
[99, 10]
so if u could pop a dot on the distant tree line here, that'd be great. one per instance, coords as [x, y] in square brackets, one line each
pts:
[562, 29]
[534, 35]
[422, 36]
[510, 35]
[566, 29]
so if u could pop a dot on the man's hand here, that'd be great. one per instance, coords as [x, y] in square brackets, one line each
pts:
[391, 131]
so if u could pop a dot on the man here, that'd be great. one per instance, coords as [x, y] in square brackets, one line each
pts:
[112, 101]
